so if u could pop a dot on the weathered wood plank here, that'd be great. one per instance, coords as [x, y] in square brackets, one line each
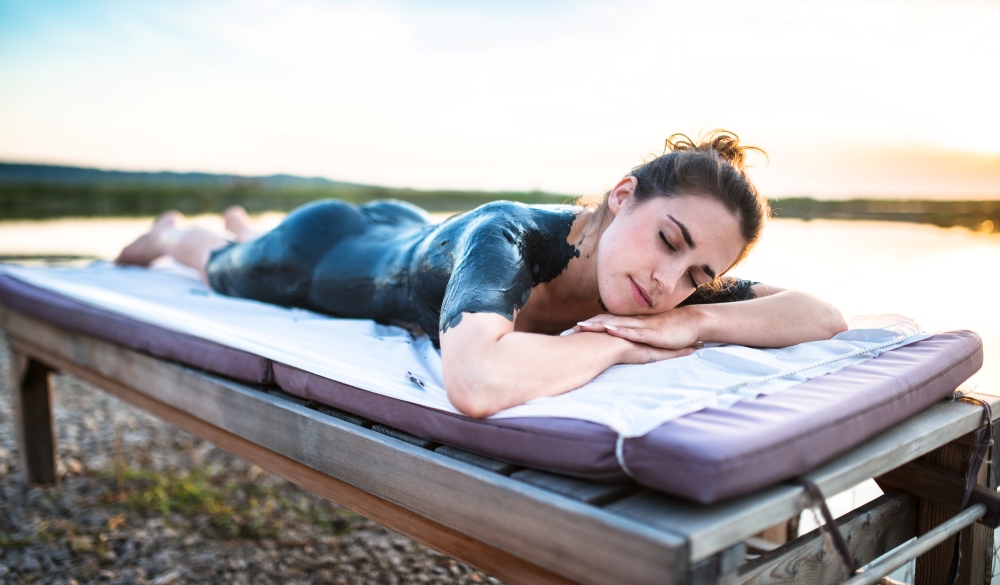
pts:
[943, 489]
[582, 542]
[36, 442]
[578, 489]
[944, 532]
[489, 559]
[494, 465]
[870, 531]
[290, 397]
[711, 529]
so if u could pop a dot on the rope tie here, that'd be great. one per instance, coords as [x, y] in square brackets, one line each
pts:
[984, 439]
[817, 500]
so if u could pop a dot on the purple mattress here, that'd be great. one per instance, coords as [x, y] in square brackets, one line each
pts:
[706, 456]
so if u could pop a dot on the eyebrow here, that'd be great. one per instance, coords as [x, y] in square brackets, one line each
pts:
[687, 239]
[684, 231]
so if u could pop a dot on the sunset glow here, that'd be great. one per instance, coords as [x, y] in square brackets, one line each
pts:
[881, 98]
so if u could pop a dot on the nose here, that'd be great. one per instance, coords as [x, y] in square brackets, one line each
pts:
[667, 277]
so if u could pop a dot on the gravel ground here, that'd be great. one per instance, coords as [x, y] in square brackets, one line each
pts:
[141, 502]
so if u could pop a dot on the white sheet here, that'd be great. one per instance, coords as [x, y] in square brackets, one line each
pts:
[388, 360]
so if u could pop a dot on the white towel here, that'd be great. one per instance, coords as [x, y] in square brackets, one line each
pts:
[388, 360]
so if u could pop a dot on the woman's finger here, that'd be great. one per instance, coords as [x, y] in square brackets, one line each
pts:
[591, 326]
[611, 322]
[638, 335]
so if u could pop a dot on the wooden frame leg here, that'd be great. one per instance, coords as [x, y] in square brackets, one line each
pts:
[33, 413]
[977, 540]
[720, 569]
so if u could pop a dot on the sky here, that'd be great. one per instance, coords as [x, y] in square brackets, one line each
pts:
[850, 98]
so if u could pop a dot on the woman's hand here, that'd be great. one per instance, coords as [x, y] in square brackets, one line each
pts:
[641, 353]
[675, 329]
[776, 318]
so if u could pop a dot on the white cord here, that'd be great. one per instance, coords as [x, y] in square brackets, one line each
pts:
[620, 455]
[837, 358]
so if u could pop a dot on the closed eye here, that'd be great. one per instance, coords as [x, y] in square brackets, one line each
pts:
[667, 242]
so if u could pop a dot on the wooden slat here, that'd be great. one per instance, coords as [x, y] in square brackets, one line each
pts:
[345, 416]
[403, 436]
[711, 529]
[585, 543]
[943, 489]
[578, 489]
[870, 531]
[33, 415]
[494, 465]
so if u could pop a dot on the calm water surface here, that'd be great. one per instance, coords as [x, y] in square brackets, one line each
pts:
[943, 278]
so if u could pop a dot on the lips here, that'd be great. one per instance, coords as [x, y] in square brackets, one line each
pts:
[641, 296]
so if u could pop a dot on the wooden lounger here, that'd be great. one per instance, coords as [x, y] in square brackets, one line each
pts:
[526, 526]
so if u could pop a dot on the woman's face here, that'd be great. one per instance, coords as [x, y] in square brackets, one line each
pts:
[654, 254]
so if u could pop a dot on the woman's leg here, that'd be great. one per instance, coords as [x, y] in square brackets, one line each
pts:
[239, 224]
[169, 237]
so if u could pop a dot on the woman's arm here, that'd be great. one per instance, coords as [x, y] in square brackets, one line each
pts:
[488, 366]
[776, 318]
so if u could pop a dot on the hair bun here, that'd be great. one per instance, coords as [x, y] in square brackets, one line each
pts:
[725, 143]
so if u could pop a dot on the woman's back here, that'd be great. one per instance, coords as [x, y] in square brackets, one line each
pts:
[386, 261]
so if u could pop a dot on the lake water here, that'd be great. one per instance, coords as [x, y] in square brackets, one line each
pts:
[943, 278]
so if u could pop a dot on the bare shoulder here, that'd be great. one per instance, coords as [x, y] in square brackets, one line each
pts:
[761, 290]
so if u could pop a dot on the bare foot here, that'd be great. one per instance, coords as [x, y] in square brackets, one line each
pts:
[150, 246]
[239, 224]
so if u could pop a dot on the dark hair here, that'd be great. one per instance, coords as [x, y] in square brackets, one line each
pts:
[715, 166]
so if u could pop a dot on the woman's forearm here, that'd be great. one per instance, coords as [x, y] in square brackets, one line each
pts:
[487, 368]
[781, 319]
[523, 366]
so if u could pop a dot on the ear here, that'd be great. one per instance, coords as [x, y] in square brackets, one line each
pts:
[620, 196]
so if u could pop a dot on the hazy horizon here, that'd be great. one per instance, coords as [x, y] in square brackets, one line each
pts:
[877, 99]
[985, 197]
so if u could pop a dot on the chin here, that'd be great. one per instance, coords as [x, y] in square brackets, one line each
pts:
[618, 302]
[618, 305]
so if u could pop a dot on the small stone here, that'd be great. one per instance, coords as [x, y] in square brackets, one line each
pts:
[191, 540]
[325, 561]
[167, 578]
[30, 564]
[81, 544]
[74, 466]
[115, 521]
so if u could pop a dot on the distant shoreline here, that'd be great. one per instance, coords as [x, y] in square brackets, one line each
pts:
[45, 191]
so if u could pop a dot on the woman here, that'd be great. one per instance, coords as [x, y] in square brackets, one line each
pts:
[637, 279]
